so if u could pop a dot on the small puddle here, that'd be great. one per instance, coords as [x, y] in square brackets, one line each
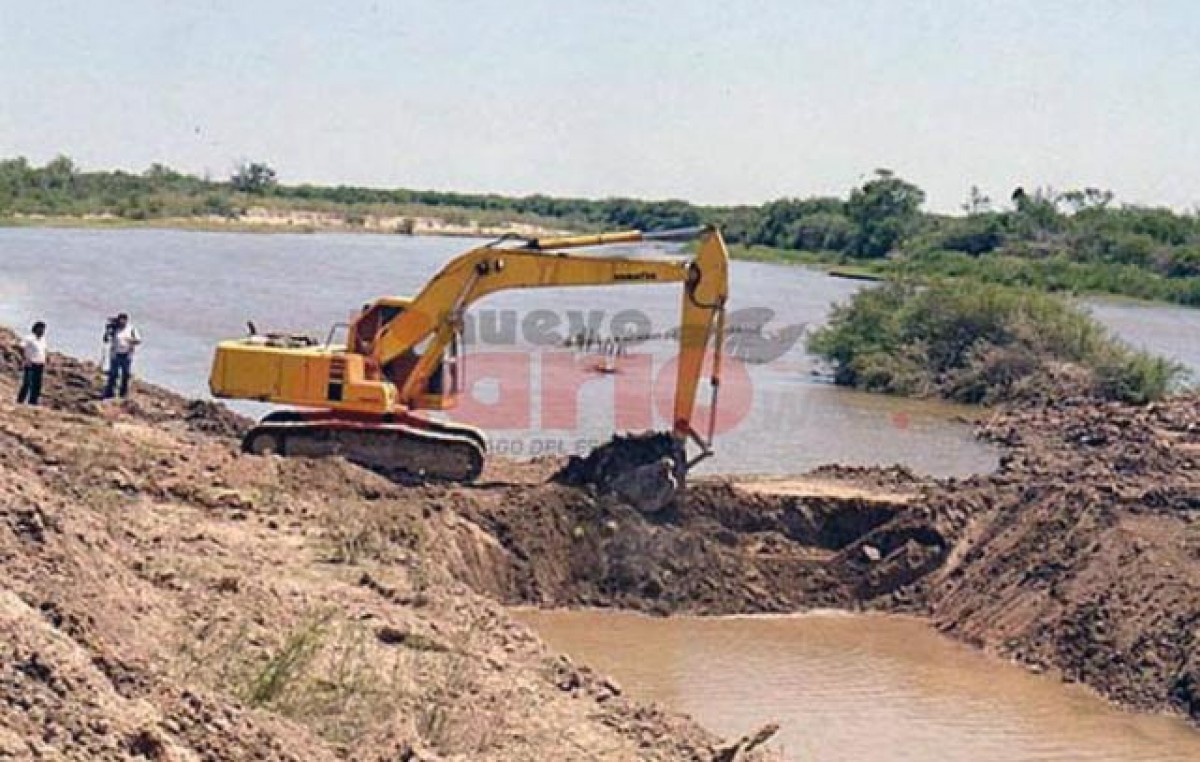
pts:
[857, 687]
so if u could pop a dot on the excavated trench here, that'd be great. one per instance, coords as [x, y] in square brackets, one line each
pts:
[721, 548]
[1080, 556]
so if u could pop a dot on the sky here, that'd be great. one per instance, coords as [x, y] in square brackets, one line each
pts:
[713, 102]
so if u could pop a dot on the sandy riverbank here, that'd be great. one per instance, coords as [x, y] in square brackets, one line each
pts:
[265, 220]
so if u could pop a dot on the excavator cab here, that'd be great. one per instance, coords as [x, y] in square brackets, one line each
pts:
[373, 318]
[448, 379]
[445, 383]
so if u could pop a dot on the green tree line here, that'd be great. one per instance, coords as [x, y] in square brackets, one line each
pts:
[1077, 240]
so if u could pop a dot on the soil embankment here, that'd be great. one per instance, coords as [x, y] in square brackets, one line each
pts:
[1083, 553]
[167, 595]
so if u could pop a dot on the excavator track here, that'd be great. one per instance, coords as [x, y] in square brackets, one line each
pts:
[400, 448]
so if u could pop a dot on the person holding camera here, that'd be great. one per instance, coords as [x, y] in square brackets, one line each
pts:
[33, 349]
[122, 339]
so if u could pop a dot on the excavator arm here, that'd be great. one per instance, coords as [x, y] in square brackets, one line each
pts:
[433, 318]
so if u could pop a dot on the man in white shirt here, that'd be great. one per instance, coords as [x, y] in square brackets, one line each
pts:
[33, 347]
[122, 338]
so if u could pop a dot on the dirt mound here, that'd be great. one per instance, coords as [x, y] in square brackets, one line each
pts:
[1083, 554]
[76, 385]
[885, 476]
[214, 418]
[642, 470]
[168, 597]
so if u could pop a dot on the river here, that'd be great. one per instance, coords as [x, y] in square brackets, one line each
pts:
[187, 290]
[851, 687]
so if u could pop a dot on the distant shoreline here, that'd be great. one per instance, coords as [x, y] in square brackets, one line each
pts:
[263, 220]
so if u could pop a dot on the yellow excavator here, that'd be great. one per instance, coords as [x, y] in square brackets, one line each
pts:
[363, 400]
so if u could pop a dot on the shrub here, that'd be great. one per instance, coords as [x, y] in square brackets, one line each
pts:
[1136, 376]
[974, 235]
[980, 343]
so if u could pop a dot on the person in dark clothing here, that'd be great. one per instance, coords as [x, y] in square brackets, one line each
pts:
[122, 338]
[33, 349]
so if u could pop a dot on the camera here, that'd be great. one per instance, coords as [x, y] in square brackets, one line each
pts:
[110, 328]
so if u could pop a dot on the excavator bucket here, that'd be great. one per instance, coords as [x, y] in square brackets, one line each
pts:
[645, 470]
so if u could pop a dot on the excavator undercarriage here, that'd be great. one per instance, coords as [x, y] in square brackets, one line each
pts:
[400, 447]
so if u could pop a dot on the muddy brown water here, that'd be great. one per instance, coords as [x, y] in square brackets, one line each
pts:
[858, 687]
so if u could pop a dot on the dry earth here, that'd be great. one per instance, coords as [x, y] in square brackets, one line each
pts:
[169, 597]
[166, 597]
